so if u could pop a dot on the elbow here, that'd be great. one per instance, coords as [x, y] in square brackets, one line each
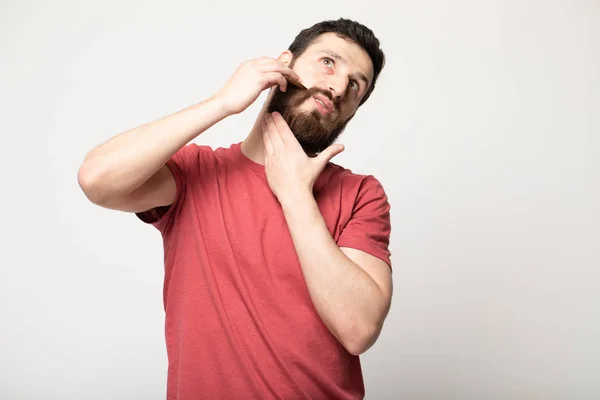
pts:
[361, 338]
[360, 334]
[89, 183]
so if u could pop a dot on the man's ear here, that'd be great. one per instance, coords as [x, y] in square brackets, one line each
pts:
[286, 57]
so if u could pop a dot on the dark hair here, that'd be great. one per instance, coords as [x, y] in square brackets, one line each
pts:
[349, 30]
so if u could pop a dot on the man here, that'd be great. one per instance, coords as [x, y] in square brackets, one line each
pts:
[277, 267]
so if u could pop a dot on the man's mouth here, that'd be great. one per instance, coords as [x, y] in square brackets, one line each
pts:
[324, 105]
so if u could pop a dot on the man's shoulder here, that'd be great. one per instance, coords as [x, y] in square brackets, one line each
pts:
[207, 156]
[346, 176]
[350, 183]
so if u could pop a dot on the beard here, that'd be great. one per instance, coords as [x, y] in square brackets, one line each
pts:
[314, 131]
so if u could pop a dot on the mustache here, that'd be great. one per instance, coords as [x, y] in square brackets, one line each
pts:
[317, 90]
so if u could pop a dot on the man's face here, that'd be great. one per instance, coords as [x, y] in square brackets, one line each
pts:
[337, 74]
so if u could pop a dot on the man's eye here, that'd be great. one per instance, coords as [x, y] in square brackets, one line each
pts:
[353, 85]
[328, 62]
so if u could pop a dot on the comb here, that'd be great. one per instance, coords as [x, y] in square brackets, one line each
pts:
[295, 83]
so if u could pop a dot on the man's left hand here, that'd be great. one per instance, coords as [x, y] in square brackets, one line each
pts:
[290, 172]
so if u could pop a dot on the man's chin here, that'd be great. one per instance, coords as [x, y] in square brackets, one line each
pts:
[313, 130]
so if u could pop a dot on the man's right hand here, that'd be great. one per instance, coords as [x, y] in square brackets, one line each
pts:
[250, 79]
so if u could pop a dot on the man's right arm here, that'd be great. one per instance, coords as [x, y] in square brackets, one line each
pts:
[129, 172]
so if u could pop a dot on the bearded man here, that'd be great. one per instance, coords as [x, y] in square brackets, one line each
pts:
[277, 261]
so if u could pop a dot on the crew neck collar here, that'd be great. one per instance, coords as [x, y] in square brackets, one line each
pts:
[245, 161]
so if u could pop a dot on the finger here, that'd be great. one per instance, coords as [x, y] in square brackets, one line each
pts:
[266, 140]
[291, 74]
[274, 78]
[273, 132]
[287, 136]
[282, 83]
[266, 156]
[327, 154]
[276, 66]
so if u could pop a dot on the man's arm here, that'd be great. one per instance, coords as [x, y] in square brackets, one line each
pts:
[351, 290]
[128, 172]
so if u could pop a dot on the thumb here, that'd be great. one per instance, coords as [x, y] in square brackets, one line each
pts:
[330, 152]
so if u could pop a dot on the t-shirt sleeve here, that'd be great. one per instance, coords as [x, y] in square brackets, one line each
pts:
[179, 165]
[369, 228]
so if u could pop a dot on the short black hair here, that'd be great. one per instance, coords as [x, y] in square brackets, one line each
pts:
[349, 30]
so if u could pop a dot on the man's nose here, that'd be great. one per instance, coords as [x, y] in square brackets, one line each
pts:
[338, 86]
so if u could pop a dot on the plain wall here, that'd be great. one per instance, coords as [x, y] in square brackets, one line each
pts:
[484, 130]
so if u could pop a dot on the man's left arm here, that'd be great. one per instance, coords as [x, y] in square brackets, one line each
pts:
[350, 289]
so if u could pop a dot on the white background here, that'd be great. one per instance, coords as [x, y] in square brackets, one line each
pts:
[484, 130]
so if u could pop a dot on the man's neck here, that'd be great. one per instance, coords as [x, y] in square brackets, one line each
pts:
[253, 146]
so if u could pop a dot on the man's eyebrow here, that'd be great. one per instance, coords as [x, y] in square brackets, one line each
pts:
[335, 55]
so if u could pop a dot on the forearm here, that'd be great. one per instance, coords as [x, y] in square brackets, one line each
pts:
[124, 162]
[347, 299]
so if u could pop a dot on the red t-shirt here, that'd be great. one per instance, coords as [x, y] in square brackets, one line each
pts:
[240, 323]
